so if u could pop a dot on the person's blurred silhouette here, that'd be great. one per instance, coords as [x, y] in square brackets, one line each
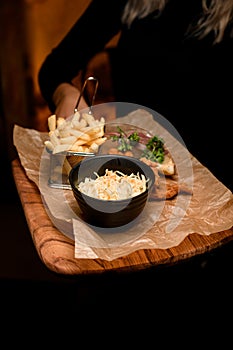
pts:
[173, 56]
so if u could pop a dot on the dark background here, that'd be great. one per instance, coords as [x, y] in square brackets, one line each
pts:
[199, 289]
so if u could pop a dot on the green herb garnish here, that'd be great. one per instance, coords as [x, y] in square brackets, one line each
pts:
[126, 142]
[154, 150]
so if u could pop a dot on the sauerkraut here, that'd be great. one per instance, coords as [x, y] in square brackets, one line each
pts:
[113, 185]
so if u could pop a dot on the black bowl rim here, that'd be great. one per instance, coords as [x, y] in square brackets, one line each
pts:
[113, 156]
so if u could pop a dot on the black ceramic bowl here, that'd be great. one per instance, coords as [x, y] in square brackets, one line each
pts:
[110, 213]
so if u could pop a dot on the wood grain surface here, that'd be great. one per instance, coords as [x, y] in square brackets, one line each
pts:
[57, 250]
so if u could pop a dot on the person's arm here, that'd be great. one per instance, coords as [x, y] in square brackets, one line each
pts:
[89, 35]
[65, 98]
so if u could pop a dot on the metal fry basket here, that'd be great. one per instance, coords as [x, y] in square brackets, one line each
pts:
[62, 163]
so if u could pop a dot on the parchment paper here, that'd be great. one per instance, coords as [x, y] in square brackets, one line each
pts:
[163, 224]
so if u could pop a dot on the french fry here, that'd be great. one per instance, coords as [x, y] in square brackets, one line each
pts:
[68, 140]
[76, 133]
[76, 148]
[79, 142]
[61, 148]
[82, 133]
[99, 134]
[53, 138]
[60, 122]
[88, 117]
[94, 147]
[49, 145]
[79, 124]
[76, 116]
[99, 141]
[52, 122]
[64, 133]
[76, 124]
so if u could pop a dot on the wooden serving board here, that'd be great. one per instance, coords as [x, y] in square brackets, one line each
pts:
[57, 250]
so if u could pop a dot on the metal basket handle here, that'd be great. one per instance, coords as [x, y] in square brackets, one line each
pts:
[82, 91]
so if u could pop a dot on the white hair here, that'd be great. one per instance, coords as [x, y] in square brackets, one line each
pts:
[216, 15]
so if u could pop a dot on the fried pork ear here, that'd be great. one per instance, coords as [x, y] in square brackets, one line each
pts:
[168, 189]
[166, 186]
[168, 166]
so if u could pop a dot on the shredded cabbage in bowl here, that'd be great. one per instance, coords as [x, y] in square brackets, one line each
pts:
[113, 185]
